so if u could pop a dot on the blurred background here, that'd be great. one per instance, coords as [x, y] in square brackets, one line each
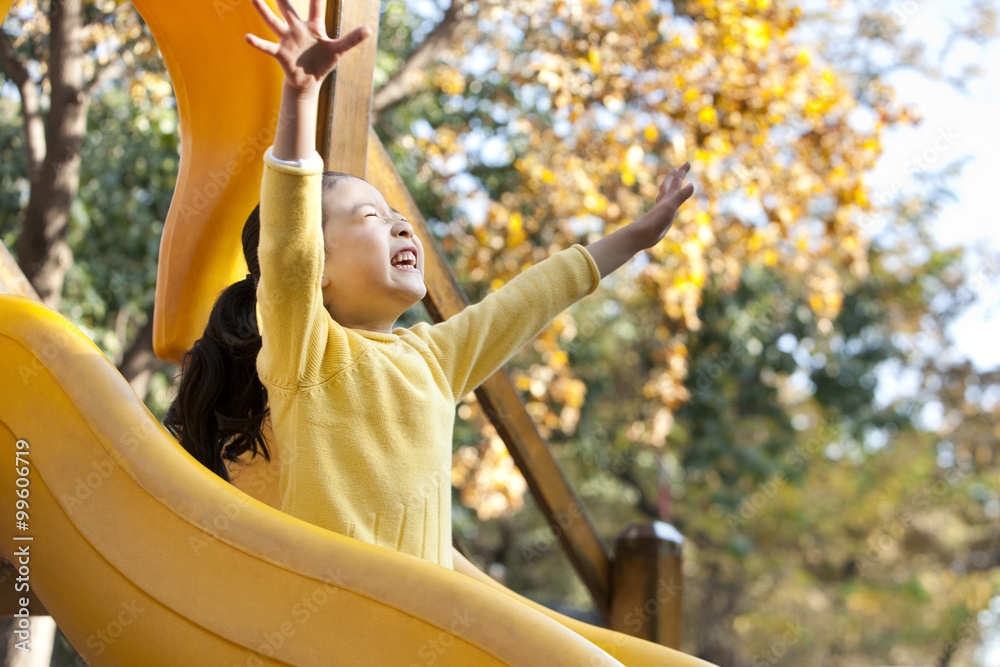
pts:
[803, 378]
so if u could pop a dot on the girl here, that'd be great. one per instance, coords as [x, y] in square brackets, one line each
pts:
[362, 413]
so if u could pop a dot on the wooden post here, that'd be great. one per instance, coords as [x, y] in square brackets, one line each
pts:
[647, 583]
[345, 102]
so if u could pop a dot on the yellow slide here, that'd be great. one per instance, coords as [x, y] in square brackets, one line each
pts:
[144, 557]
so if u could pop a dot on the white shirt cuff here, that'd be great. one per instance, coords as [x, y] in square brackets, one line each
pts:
[313, 162]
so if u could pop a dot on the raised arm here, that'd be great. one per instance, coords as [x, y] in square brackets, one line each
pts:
[294, 324]
[307, 55]
[615, 249]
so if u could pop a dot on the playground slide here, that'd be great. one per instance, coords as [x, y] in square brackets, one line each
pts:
[145, 557]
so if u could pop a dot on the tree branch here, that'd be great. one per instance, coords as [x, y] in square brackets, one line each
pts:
[626, 474]
[34, 125]
[139, 362]
[410, 76]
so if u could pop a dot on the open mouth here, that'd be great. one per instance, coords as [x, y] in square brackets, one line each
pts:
[405, 259]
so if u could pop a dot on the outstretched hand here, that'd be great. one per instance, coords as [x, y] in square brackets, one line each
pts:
[614, 250]
[653, 226]
[303, 48]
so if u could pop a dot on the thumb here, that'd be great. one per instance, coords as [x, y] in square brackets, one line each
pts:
[351, 39]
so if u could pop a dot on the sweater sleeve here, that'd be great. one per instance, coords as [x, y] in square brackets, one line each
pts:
[473, 344]
[293, 322]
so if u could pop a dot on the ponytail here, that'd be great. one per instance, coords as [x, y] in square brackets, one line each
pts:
[221, 405]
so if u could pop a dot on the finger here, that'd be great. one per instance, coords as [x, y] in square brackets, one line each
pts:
[681, 196]
[270, 48]
[315, 10]
[272, 20]
[673, 180]
[288, 10]
[667, 185]
[351, 39]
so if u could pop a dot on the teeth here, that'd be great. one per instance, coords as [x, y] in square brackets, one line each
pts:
[405, 257]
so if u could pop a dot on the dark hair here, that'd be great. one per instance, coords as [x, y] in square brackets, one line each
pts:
[220, 409]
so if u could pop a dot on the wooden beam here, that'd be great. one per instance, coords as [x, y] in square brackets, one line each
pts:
[502, 404]
[345, 103]
[648, 584]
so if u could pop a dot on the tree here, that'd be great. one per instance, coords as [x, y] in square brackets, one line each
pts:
[69, 61]
[729, 380]
[758, 337]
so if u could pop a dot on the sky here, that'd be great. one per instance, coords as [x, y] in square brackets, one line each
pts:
[956, 127]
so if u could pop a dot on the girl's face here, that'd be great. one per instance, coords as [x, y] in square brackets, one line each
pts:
[374, 262]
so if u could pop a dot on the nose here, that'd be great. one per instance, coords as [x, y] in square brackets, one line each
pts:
[403, 229]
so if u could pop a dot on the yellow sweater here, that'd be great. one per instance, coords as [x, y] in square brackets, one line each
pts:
[363, 421]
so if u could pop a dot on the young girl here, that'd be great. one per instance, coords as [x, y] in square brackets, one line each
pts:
[361, 413]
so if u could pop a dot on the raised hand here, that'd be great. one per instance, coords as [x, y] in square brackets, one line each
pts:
[614, 250]
[303, 48]
[654, 225]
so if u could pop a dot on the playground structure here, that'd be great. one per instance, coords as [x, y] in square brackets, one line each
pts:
[206, 573]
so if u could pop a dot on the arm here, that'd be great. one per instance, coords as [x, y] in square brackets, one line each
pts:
[293, 322]
[471, 345]
[617, 248]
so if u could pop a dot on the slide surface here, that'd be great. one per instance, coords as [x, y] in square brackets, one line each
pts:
[145, 557]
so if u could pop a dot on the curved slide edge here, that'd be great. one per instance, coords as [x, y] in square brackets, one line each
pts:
[227, 103]
[145, 557]
[629, 650]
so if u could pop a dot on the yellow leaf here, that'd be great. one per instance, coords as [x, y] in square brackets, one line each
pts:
[594, 56]
[707, 115]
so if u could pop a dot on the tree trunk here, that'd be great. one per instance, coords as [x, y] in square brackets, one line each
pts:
[140, 363]
[34, 124]
[43, 253]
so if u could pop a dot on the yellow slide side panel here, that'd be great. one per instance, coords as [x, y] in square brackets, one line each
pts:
[145, 557]
[629, 650]
[227, 102]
